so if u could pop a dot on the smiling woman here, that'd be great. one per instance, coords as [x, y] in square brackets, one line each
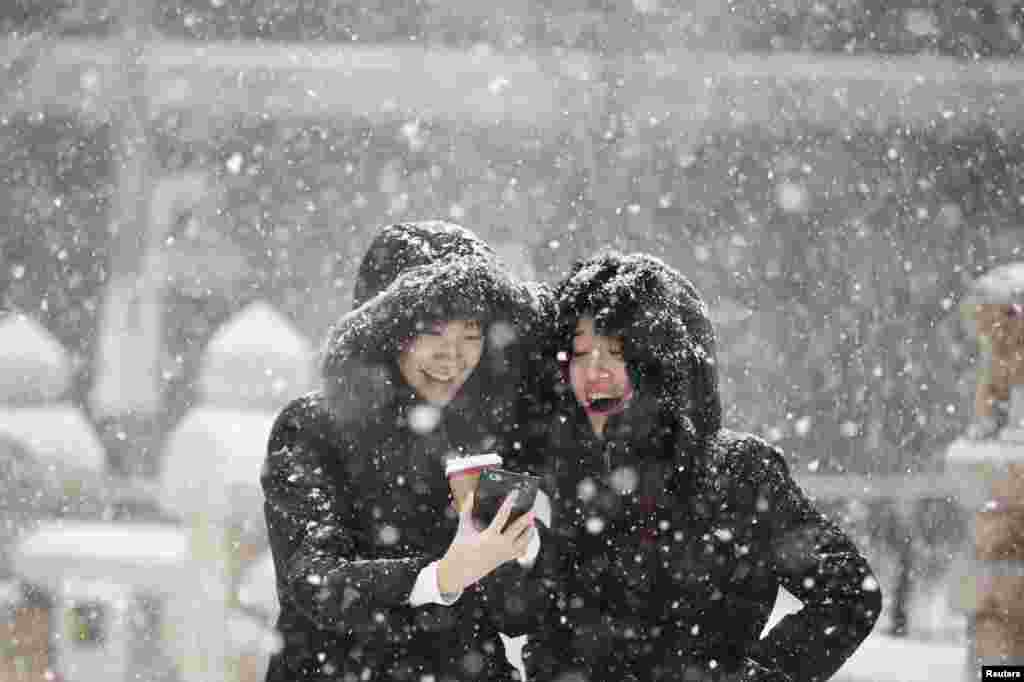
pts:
[671, 535]
[597, 372]
[373, 563]
[437, 362]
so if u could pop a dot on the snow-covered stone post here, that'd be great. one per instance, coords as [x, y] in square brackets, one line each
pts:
[35, 376]
[989, 464]
[252, 366]
[50, 457]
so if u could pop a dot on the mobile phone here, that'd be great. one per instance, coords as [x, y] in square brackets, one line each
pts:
[497, 484]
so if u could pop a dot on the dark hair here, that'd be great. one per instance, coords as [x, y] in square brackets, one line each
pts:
[614, 309]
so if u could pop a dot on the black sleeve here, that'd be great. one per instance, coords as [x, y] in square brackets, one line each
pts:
[819, 564]
[316, 538]
[515, 595]
[549, 652]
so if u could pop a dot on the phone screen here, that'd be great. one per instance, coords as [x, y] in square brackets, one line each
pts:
[495, 485]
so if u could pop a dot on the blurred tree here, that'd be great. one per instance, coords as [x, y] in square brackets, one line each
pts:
[125, 397]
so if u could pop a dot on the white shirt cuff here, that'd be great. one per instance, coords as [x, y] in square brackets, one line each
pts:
[532, 550]
[426, 590]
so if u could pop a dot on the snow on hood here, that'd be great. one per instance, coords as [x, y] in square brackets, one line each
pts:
[402, 246]
[412, 274]
[670, 342]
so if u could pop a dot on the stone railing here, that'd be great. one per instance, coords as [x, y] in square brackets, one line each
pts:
[692, 90]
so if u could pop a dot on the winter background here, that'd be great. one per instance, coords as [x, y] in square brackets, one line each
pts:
[187, 186]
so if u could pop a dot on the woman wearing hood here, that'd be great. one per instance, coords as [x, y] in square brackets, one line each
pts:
[371, 583]
[671, 535]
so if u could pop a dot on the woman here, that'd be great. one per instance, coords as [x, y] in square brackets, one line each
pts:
[371, 583]
[672, 535]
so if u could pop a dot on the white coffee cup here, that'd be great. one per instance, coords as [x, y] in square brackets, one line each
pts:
[463, 473]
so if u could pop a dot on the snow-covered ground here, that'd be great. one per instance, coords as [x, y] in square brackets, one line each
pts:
[890, 659]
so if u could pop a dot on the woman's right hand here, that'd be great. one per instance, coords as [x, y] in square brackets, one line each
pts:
[473, 554]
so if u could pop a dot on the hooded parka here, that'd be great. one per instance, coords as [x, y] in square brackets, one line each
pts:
[671, 535]
[357, 503]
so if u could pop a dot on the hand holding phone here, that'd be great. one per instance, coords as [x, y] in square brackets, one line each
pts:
[475, 553]
[497, 484]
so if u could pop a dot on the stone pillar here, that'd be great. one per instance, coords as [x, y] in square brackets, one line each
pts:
[64, 457]
[201, 630]
[989, 464]
[24, 637]
[50, 458]
[992, 475]
[253, 365]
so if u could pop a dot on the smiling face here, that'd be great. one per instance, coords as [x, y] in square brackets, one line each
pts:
[437, 362]
[598, 373]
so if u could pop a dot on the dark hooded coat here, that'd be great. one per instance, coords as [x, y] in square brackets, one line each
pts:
[356, 499]
[671, 536]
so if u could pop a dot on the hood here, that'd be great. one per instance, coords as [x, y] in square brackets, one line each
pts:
[459, 280]
[670, 342]
[402, 246]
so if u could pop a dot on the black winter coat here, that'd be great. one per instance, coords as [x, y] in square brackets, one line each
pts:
[357, 503]
[671, 536]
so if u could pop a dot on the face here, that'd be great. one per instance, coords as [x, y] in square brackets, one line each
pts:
[597, 370]
[437, 362]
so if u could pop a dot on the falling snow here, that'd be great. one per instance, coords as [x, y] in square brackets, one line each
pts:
[174, 255]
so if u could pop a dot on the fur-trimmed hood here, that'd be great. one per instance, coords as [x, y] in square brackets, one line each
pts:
[414, 273]
[402, 246]
[670, 342]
